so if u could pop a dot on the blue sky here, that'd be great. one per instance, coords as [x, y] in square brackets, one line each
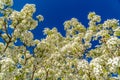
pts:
[56, 12]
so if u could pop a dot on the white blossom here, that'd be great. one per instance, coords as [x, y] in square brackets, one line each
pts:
[111, 23]
[56, 56]
[83, 65]
[40, 17]
[113, 63]
[113, 43]
[92, 16]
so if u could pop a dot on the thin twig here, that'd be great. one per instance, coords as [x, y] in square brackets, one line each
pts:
[6, 30]
[34, 69]
[7, 46]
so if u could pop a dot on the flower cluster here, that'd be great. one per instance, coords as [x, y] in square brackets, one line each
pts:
[83, 65]
[57, 57]
[113, 43]
[111, 23]
[40, 17]
[73, 27]
[113, 64]
[4, 3]
[23, 19]
[97, 67]
[93, 17]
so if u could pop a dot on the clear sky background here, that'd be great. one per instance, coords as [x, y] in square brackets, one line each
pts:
[56, 12]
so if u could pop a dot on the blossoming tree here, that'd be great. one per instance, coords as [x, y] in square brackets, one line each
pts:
[57, 57]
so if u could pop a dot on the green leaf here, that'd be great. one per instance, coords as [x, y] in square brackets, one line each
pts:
[117, 33]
